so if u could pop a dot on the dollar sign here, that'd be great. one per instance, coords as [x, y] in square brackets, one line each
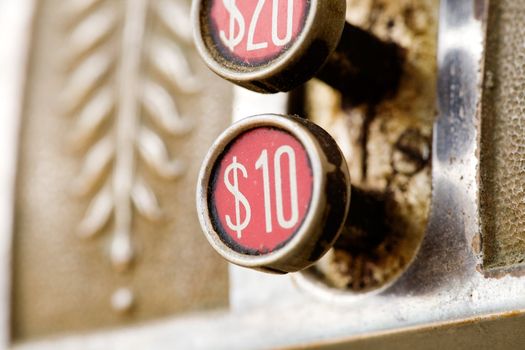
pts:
[235, 16]
[239, 197]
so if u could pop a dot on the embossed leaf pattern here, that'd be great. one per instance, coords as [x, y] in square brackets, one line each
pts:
[84, 79]
[95, 112]
[145, 200]
[162, 109]
[175, 16]
[169, 60]
[96, 161]
[109, 94]
[97, 214]
[154, 152]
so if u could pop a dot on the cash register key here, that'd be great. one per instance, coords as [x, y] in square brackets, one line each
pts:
[276, 45]
[273, 193]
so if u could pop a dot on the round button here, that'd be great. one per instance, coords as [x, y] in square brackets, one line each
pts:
[272, 30]
[273, 193]
[282, 170]
[267, 45]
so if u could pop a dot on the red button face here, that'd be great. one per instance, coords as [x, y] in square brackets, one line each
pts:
[260, 190]
[254, 32]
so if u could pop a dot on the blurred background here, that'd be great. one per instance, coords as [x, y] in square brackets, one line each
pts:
[116, 113]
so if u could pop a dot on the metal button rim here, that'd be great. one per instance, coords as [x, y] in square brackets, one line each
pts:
[315, 26]
[286, 258]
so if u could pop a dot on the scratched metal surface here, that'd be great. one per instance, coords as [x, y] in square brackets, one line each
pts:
[441, 286]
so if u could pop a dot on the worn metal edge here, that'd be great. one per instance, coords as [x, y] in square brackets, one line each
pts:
[166, 335]
[16, 22]
[346, 341]
[515, 270]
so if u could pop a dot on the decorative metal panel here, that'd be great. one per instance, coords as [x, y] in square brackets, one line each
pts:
[117, 116]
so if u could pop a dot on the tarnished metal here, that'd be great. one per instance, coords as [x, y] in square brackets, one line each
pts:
[325, 215]
[16, 19]
[383, 142]
[441, 288]
[502, 142]
[295, 63]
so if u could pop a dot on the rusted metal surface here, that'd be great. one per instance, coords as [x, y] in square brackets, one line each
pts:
[387, 144]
